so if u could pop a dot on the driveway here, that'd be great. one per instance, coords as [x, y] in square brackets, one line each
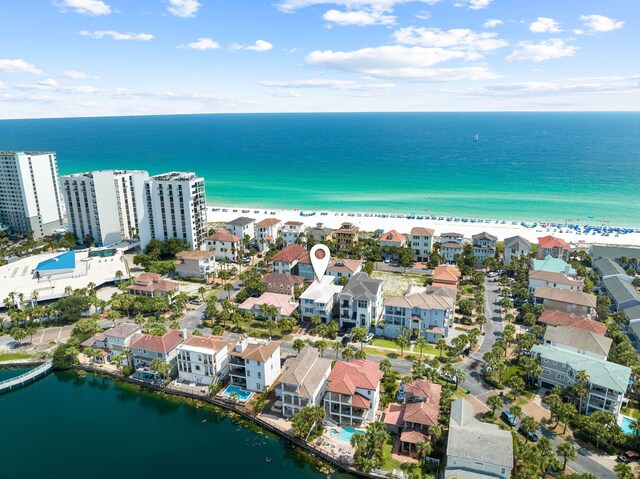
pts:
[493, 313]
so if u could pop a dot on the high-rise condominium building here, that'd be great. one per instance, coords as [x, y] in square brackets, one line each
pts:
[30, 199]
[106, 205]
[176, 208]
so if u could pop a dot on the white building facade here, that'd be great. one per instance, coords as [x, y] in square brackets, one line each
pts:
[203, 360]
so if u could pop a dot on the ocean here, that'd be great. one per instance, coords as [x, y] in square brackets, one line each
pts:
[580, 167]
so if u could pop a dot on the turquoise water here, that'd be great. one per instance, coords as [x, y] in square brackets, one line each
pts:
[525, 166]
[65, 426]
[11, 373]
[345, 433]
[242, 394]
[626, 425]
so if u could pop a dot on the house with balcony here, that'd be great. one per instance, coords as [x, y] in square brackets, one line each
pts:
[353, 392]
[558, 299]
[282, 283]
[578, 341]
[553, 265]
[554, 247]
[303, 382]
[514, 247]
[242, 227]
[203, 359]
[320, 299]
[147, 347]
[451, 246]
[560, 318]
[484, 246]
[114, 340]
[267, 232]
[195, 264]
[555, 280]
[622, 293]
[608, 382]
[476, 449]
[344, 268]
[254, 364]
[224, 246]
[429, 311]
[346, 236]
[628, 253]
[360, 302]
[290, 232]
[421, 243]
[390, 240]
[283, 304]
[152, 285]
[411, 419]
[320, 233]
[286, 261]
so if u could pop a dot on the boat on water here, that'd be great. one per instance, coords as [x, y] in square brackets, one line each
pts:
[476, 137]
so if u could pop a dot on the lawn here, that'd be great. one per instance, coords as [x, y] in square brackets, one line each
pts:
[385, 343]
[389, 463]
[632, 411]
[14, 356]
[511, 370]
[391, 344]
[467, 289]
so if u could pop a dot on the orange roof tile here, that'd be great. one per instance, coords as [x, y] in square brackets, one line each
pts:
[346, 377]
[552, 242]
[290, 253]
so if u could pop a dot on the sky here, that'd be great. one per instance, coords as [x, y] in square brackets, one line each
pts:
[74, 58]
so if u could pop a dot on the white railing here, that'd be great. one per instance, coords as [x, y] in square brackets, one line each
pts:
[26, 377]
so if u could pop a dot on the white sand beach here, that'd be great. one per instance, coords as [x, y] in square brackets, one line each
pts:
[372, 222]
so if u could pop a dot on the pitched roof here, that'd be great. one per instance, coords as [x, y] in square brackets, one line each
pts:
[608, 267]
[322, 291]
[485, 235]
[283, 302]
[601, 372]
[552, 242]
[195, 254]
[268, 222]
[282, 279]
[632, 313]
[258, 351]
[152, 282]
[614, 252]
[306, 370]
[518, 243]
[411, 436]
[294, 223]
[345, 265]
[122, 331]
[553, 277]
[346, 377]
[566, 296]
[451, 245]
[361, 286]
[289, 254]
[549, 263]
[159, 344]
[419, 231]
[446, 274]
[620, 290]
[427, 300]
[213, 343]
[578, 338]
[224, 237]
[392, 236]
[241, 221]
[561, 318]
[452, 235]
[424, 412]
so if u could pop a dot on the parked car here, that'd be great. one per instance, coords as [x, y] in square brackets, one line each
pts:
[628, 456]
[492, 274]
[533, 437]
[509, 418]
[400, 394]
[196, 301]
[345, 340]
[369, 338]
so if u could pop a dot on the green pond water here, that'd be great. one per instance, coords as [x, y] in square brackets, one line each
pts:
[67, 426]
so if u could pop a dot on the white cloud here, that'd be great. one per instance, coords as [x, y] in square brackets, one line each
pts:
[117, 35]
[75, 75]
[545, 25]
[473, 4]
[204, 44]
[385, 5]
[546, 50]
[423, 15]
[359, 18]
[286, 94]
[18, 66]
[350, 85]
[400, 62]
[183, 8]
[458, 38]
[258, 46]
[50, 82]
[85, 7]
[600, 23]
[493, 23]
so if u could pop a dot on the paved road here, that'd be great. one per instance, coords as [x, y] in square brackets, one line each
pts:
[493, 313]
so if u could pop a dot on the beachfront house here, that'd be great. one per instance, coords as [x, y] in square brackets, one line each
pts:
[476, 449]
[628, 257]
[514, 247]
[147, 347]
[578, 341]
[283, 306]
[427, 310]
[451, 246]
[344, 268]
[608, 382]
[242, 227]
[290, 232]
[320, 299]
[114, 340]
[225, 246]
[556, 280]
[346, 236]
[575, 302]
[203, 359]
[484, 246]
[360, 302]
[446, 276]
[622, 293]
[320, 233]
[353, 392]
[607, 268]
[553, 265]
[286, 261]
[267, 232]
[303, 382]
[421, 243]
[552, 246]
[282, 283]
[411, 419]
[254, 364]
[152, 285]
[195, 264]
[561, 318]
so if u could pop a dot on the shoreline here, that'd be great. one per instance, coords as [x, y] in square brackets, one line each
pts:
[403, 224]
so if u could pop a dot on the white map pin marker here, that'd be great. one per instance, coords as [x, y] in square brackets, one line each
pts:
[320, 256]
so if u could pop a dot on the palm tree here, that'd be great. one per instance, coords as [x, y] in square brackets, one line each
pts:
[516, 411]
[581, 387]
[423, 448]
[494, 402]
[270, 325]
[528, 425]
[624, 471]
[441, 344]
[202, 290]
[264, 310]
[348, 354]
[316, 320]
[298, 345]
[336, 346]
[402, 343]
[360, 354]
[34, 296]
[435, 432]
[321, 345]
[119, 275]
[421, 343]
[460, 374]
[359, 334]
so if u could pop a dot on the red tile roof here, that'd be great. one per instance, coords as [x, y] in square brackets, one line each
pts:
[282, 279]
[290, 253]
[152, 282]
[224, 237]
[560, 318]
[158, 344]
[215, 343]
[392, 236]
[360, 401]
[346, 377]
[446, 274]
[268, 222]
[413, 437]
[552, 242]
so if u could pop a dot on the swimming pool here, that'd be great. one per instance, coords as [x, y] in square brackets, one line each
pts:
[102, 253]
[626, 425]
[242, 395]
[344, 433]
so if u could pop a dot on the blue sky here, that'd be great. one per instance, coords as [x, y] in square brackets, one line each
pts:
[61, 58]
